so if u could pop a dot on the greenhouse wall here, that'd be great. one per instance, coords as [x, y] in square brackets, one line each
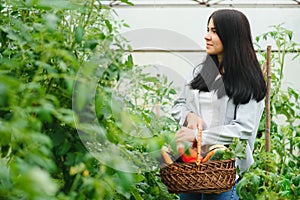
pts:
[171, 37]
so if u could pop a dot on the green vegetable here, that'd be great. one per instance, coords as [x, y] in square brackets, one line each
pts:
[218, 155]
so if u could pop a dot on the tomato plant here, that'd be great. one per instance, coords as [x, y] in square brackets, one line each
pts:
[274, 174]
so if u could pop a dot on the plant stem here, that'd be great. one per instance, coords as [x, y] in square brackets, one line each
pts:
[268, 121]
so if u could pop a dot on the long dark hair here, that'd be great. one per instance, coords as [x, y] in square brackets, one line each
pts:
[242, 77]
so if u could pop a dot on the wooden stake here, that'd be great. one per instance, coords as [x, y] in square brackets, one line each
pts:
[268, 114]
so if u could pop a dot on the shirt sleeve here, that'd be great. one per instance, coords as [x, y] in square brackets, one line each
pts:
[185, 103]
[244, 126]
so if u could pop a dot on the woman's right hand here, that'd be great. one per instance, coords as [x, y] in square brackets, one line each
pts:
[194, 121]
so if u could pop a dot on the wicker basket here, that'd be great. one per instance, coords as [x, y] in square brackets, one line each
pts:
[209, 177]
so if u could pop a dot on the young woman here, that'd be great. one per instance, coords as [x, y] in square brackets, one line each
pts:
[224, 95]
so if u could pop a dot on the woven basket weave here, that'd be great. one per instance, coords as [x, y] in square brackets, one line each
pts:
[209, 177]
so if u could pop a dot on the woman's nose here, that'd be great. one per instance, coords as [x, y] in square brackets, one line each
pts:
[207, 37]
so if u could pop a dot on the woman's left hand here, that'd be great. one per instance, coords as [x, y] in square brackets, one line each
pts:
[185, 134]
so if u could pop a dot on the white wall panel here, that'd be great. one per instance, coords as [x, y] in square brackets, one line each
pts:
[182, 29]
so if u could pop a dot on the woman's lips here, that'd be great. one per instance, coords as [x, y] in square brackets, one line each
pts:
[208, 45]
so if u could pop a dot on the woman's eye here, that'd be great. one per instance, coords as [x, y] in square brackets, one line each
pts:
[213, 30]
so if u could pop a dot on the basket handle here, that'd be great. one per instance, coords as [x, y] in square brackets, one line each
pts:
[199, 144]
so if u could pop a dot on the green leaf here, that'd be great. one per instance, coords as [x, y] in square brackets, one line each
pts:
[150, 79]
[53, 4]
[255, 180]
[37, 182]
[241, 189]
[257, 38]
[51, 21]
[109, 25]
[240, 149]
[139, 178]
[91, 44]
[79, 32]
[129, 61]
[4, 100]
[63, 148]
[290, 34]
[135, 194]
[127, 2]
[296, 180]
[147, 87]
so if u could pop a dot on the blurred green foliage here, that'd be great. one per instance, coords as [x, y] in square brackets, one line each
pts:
[61, 62]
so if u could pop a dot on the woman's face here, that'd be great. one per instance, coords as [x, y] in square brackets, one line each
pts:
[214, 45]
